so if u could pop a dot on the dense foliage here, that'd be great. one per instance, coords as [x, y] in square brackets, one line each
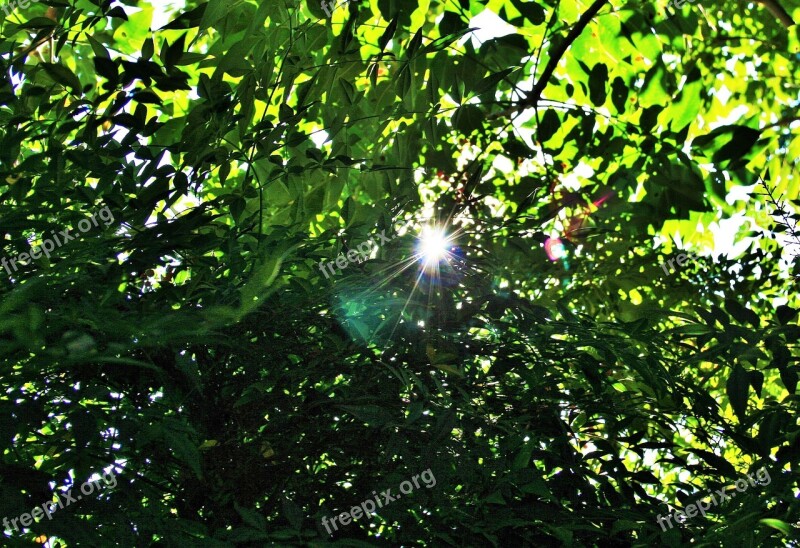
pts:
[563, 387]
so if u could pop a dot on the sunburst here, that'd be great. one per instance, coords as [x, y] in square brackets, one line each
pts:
[434, 246]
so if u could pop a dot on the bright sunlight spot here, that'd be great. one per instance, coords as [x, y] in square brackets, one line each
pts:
[433, 246]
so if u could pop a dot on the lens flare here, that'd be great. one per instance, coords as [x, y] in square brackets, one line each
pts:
[554, 248]
[433, 246]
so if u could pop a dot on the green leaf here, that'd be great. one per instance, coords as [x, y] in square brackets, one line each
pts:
[216, 10]
[789, 379]
[737, 388]
[515, 148]
[490, 82]
[549, 125]
[107, 68]
[188, 19]
[293, 512]
[786, 314]
[98, 48]
[261, 281]
[185, 451]
[62, 75]
[468, 118]
[372, 415]
[781, 526]
[756, 381]
[285, 112]
[729, 143]
[537, 487]
[523, 457]
[741, 314]
[414, 44]
[403, 83]
[742, 140]
[148, 48]
[530, 10]
[39, 23]
[443, 42]
[619, 94]
[172, 55]
[769, 432]
[251, 517]
[719, 464]
[598, 79]
[387, 34]
[496, 498]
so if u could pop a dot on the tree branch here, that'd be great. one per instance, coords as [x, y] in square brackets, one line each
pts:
[533, 97]
[783, 122]
[778, 11]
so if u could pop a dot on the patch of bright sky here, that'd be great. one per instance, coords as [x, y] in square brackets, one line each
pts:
[487, 25]
[164, 11]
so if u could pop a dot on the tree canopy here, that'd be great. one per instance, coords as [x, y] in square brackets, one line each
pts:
[263, 260]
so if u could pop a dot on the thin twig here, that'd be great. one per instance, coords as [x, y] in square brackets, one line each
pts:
[783, 122]
[780, 211]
